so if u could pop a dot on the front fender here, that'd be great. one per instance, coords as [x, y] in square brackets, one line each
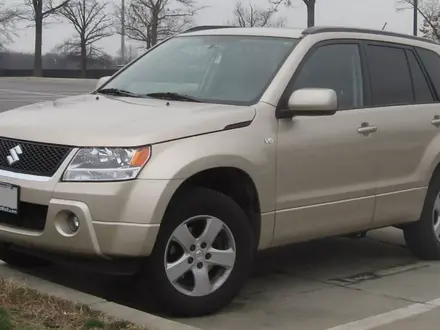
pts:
[241, 148]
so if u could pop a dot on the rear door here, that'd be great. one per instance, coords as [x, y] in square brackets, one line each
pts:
[405, 106]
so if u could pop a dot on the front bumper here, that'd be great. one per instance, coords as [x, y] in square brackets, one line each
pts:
[117, 219]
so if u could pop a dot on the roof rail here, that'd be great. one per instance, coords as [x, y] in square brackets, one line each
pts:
[207, 27]
[324, 29]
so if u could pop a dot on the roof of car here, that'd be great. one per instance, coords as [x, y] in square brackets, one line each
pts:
[222, 30]
[335, 29]
[294, 32]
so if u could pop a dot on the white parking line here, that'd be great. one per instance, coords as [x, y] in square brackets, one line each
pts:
[24, 97]
[21, 100]
[375, 321]
[29, 92]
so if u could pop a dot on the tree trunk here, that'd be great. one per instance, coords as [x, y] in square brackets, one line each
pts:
[154, 26]
[38, 71]
[83, 59]
[148, 38]
[311, 13]
[154, 32]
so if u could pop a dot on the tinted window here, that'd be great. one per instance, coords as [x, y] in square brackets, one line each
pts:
[421, 87]
[338, 67]
[431, 61]
[390, 77]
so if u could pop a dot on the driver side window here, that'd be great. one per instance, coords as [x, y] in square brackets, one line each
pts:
[338, 67]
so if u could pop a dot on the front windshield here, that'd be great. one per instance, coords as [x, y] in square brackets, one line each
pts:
[213, 69]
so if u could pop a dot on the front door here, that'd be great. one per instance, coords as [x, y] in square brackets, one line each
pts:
[326, 174]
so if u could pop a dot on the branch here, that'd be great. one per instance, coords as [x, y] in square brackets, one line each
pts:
[255, 17]
[89, 19]
[429, 10]
[151, 21]
[8, 18]
[51, 10]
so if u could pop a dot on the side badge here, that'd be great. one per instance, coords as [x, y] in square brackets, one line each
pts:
[268, 140]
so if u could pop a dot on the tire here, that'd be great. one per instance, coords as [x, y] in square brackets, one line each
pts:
[192, 301]
[421, 237]
[18, 259]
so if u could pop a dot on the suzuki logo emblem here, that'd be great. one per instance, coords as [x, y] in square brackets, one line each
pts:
[13, 154]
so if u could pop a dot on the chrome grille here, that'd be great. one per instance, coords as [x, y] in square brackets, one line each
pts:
[33, 157]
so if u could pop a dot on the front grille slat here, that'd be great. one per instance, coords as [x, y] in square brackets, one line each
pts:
[36, 158]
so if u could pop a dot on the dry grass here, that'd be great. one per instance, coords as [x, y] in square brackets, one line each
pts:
[22, 308]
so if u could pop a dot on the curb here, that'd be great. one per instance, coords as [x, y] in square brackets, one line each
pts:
[140, 318]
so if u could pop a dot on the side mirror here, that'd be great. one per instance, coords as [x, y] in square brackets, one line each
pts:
[102, 81]
[312, 102]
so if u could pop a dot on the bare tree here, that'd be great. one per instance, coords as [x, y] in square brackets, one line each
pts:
[310, 4]
[8, 17]
[431, 21]
[430, 12]
[151, 21]
[72, 51]
[252, 16]
[38, 11]
[91, 23]
[130, 54]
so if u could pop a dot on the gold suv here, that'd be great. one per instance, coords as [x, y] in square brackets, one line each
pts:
[220, 142]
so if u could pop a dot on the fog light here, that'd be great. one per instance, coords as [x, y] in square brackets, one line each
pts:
[73, 223]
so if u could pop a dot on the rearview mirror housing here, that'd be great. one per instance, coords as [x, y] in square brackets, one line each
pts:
[102, 81]
[312, 102]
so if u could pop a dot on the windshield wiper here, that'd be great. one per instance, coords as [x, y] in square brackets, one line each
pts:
[117, 92]
[173, 96]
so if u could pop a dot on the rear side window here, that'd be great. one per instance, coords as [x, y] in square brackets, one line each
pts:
[431, 61]
[422, 92]
[390, 76]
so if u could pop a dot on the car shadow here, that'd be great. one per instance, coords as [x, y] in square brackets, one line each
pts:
[291, 267]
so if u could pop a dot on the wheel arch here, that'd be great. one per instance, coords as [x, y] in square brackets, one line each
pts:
[232, 182]
[435, 173]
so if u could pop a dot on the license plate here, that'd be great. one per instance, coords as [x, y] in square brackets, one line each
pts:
[9, 197]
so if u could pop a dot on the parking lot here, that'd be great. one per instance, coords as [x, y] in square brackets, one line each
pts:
[16, 92]
[335, 283]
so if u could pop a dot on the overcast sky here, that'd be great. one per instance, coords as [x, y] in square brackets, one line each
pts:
[358, 13]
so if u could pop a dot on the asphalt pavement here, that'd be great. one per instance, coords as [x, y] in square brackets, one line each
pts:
[335, 283]
[15, 92]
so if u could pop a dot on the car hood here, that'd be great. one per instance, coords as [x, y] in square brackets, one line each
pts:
[100, 120]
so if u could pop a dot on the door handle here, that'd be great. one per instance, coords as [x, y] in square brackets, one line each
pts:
[366, 129]
[436, 121]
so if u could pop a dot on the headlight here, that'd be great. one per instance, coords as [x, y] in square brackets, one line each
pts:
[107, 164]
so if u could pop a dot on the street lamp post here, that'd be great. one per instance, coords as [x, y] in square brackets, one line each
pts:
[123, 31]
[415, 23]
